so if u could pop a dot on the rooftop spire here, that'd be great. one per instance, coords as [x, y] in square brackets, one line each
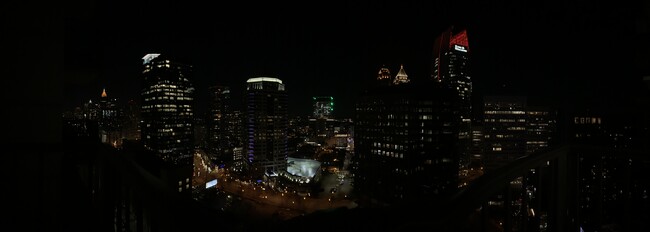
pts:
[401, 76]
[104, 93]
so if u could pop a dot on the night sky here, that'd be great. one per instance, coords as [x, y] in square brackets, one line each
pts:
[564, 55]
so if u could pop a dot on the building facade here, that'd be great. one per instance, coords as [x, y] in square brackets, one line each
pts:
[405, 139]
[540, 129]
[168, 117]
[266, 127]
[109, 115]
[513, 129]
[219, 137]
[451, 67]
[504, 128]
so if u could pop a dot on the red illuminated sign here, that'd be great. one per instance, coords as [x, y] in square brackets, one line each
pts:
[460, 39]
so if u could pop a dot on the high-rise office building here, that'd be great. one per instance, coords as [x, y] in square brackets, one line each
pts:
[611, 165]
[168, 117]
[131, 121]
[108, 110]
[405, 139]
[109, 123]
[504, 127]
[266, 127]
[513, 129]
[322, 120]
[451, 68]
[595, 169]
[235, 127]
[476, 152]
[218, 136]
[540, 128]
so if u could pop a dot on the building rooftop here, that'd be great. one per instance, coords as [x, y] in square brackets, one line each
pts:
[259, 79]
[302, 167]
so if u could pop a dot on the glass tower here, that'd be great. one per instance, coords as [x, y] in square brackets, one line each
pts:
[451, 68]
[266, 126]
[167, 127]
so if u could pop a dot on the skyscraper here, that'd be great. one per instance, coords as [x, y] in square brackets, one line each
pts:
[451, 68]
[540, 128]
[109, 123]
[235, 127]
[219, 137]
[476, 151]
[167, 116]
[405, 139]
[504, 127]
[513, 129]
[266, 127]
[131, 121]
[595, 170]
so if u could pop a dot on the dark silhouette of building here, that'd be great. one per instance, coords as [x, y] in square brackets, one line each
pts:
[504, 127]
[612, 188]
[513, 129]
[405, 140]
[589, 130]
[266, 127]
[108, 189]
[235, 127]
[109, 120]
[451, 67]
[220, 131]
[131, 121]
[477, 150]
[540, 129]
[168, 117]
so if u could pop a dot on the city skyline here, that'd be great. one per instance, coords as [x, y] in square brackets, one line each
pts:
[336, 49]
[262, 115]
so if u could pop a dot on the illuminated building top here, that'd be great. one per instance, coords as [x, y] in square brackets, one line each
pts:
[266, 122]
[104, 93]
[384, 73]
[451, 68]
[149, 57]
[401, 76]
[459, 39]
[259, 79]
